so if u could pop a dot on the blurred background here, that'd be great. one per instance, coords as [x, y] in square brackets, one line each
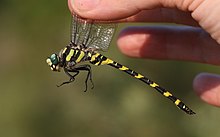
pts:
[119, 106]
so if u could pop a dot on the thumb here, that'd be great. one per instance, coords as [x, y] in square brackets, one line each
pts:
[207, 86]
[110, 9]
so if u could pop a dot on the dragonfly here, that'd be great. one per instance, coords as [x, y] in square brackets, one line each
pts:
[88, 39]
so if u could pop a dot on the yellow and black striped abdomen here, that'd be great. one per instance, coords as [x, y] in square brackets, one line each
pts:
[98, 59]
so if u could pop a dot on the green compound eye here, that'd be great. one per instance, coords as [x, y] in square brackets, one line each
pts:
[54, 59]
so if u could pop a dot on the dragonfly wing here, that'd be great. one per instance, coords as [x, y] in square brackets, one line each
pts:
[91, 34]
[80, 29]
[101, 35]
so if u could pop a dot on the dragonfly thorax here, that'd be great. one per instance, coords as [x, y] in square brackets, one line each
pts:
[70, 56]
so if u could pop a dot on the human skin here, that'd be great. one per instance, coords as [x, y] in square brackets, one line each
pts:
[197, 41]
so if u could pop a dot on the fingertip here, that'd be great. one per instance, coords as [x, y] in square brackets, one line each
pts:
[143, 42]
[131, 40]
[81, 6]
[103, 10]
[207, 86]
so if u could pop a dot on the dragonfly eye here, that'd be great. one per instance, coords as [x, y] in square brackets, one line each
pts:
[54, 59]
[53, 62]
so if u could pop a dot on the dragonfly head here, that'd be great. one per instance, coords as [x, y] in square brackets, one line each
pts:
[53, 62]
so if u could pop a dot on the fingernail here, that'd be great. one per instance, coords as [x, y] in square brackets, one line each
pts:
[85, 5]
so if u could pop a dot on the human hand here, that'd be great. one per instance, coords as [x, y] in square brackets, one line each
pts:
[198, 40]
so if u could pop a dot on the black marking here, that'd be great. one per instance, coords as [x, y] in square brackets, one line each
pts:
[73, 58]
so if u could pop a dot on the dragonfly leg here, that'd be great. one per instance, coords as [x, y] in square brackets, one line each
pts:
[87, 68]
[72, 77]
[76, 70]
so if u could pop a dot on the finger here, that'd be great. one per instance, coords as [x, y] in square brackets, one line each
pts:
[164, 15]
[207, 86]
[114, 8]
[153, 15]
[142, 10]
[169, 42]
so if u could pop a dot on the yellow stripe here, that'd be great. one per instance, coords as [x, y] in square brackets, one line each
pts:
[167, 94]
[139, 76]
[94, 56]
[177, 102]
[97, 54]
[89, 54]
[82, 54]
[123, 68]
[69, 55]
[64, 50]
[154, 85]
[97, 63]
[107, 61]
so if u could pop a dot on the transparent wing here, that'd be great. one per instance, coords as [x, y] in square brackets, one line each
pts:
[80, 30]
[91, 34]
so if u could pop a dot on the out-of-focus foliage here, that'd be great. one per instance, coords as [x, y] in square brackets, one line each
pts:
[119, 106]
